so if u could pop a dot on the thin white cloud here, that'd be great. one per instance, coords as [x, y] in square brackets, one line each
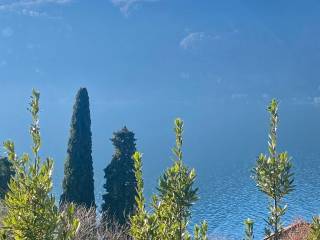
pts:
[29, 7]
[7, 32]
[192, 39]
[316, 101]
[239, 96]
[14, 4]
[125, 6]
[33, 13]
[307, 100]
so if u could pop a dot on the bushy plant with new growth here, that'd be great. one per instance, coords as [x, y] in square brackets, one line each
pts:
[273, 176]
[171, 206]
[30, 205]
[314, 233]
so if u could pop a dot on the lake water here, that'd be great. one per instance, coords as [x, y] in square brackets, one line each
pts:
[228, 199]
[222, 144]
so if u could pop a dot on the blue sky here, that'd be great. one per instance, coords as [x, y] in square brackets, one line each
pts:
[225, 49]
[144, 62]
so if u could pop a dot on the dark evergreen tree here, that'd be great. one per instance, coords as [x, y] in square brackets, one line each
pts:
[6, 171]
[119, 199]
[78, 183]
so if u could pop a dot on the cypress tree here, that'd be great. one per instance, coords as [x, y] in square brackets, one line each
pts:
[119, 199]
[6, 171]
[78, 183]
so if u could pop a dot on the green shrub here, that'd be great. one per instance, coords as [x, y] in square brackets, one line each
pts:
[273, 176]
[171, 206]
[314, 233]
[30, 205]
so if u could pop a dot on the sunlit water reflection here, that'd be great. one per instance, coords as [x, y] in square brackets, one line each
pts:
[229, 196]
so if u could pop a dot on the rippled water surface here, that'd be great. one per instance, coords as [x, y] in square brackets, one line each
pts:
[229, 196]
[222, 147]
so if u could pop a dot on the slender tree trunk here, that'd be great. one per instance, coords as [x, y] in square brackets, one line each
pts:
[276, 234]
[180, 224]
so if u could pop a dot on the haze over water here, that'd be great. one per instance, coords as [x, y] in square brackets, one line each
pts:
[216, 64]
